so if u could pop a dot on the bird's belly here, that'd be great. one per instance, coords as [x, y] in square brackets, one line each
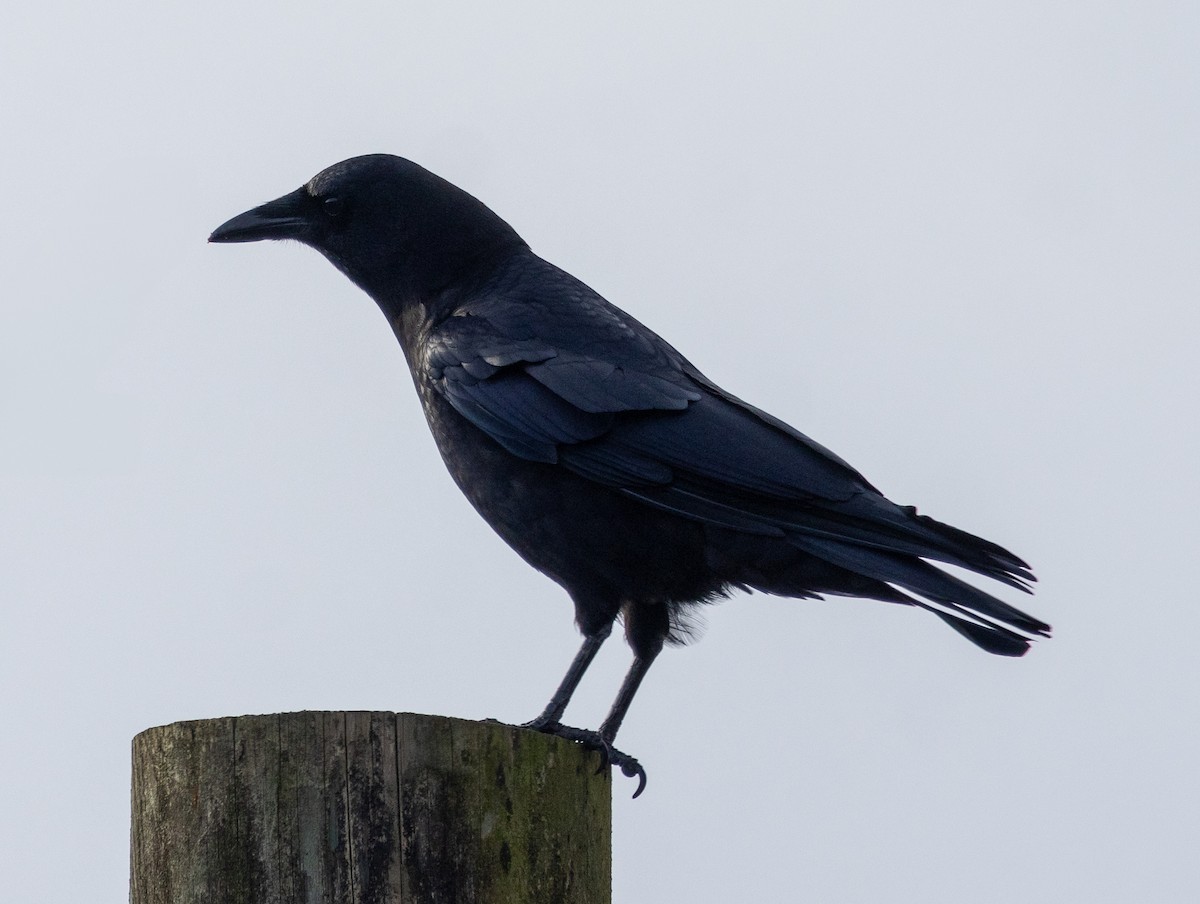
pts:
[590, 538]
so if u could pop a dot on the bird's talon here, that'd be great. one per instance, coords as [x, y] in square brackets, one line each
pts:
[604, 761]
[609, 755]
[641, 775]
[547, 727]
[630, 768]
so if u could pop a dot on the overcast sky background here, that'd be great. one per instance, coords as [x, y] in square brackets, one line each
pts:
[956, 244]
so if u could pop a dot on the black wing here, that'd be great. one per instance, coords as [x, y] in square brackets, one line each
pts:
[625, 410]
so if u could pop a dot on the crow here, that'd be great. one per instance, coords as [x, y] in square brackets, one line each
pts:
[603, 456]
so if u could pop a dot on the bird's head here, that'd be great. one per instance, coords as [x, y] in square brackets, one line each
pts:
[397, 230]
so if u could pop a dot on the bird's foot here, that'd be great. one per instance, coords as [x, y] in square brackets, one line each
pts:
[543, 723]
[592, 740]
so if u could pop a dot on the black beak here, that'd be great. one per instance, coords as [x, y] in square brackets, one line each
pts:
[283, 218]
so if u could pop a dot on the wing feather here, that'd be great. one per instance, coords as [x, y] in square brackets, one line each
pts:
[654, 428]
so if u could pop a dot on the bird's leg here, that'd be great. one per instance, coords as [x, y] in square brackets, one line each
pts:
[552, 715]
[628, 765]
[633, 679]
[550, 721]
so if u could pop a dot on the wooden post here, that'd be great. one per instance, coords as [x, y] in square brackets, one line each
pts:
[366, 808]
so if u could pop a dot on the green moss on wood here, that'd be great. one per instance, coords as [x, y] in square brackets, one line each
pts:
[377, 808]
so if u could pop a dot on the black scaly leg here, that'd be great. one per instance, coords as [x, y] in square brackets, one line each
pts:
[553, 713]
[550, 720]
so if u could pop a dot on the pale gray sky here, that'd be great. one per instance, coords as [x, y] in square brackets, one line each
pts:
[957, 245]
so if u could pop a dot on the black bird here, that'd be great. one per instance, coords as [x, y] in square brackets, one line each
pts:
[602, 455]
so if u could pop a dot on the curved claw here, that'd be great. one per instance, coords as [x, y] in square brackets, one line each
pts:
[631, 768]
[609, 755]
[605, 757]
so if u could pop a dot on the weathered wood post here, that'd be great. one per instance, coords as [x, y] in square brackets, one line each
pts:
[365, 808]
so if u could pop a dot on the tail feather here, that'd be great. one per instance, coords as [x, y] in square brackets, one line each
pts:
[977, 615]
[873, 520]
[1000, 558]
[992, 638]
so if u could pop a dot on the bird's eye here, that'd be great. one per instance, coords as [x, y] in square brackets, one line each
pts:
[335, 207]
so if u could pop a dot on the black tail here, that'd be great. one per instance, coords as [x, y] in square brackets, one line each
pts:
[980, 617]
